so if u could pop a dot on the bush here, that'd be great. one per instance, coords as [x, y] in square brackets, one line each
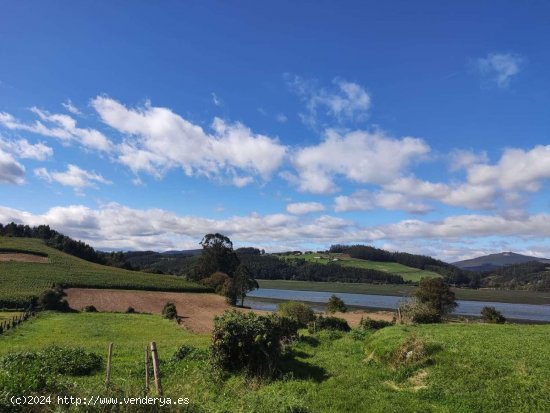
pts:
[288, 328]
[412, 352]
[216, 281]
[370, 324]
[130, 310]
[248, 343]
[89, 309]
[492, 315]
[336, 304]
[52, 299]
[169, 311]
[188, 352]
[299, 312]
[413, 311]
[328, 323]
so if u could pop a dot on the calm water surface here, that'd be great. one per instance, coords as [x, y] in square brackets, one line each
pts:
[469, 308]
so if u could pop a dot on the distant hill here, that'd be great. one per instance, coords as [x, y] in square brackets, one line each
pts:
[492, 261]
[183, 253]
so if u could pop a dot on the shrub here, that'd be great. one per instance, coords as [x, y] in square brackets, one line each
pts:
[299, 312]
[288, 328]
[414, 311]
[412, 352]
[130, 310]
[328, 323]
[216, 281]
[370, 324]
[52, 299]
[248, 343]
[492, 315]
[336, 304]
[169, 311]
[89, 309]
[436, 294]
[188, 352]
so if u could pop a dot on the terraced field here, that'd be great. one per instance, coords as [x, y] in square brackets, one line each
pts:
[20, 281]
[408, 273]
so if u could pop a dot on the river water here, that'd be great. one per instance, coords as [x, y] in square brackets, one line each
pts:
[466, 308]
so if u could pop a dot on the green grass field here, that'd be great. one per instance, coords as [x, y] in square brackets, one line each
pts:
[19, 281]
[408, 273]
[475, 367]
[503, 296]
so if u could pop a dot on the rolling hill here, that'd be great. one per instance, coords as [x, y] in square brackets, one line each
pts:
[407, 273]
[20, 281]
[492, 261]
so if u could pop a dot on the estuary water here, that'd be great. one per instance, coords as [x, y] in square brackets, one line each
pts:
[467, 308]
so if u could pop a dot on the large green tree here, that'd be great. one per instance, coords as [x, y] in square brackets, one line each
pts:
[243, 282]
[435, 293]
[217, 255]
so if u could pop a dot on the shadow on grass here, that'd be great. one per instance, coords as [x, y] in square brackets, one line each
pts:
[310, 340]
[297, 369]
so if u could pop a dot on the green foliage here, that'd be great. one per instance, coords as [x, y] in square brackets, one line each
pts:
[189, 352]
[248, 343]
[52, 299]
[436, 294]
[414, 311]
[492, 315]
[367, 323]
[217, 255]
[336, 305]
[328, 323]
[216, 281]
[299, 312]
[90, 309]
[243, 282]
[21, 281]
[169, 311]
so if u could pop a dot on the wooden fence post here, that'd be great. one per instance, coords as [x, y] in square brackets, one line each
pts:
[109, 358]
[156, 369]
[146, 370]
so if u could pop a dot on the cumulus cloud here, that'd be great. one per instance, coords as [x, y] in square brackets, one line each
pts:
[115, 226]
[500, 67]
[62, 127]
[301, 208]
[364, 200]
[159, 140]
[360, 156]
[11, 171]
[21, 148]
[345, 101]
[74, 177]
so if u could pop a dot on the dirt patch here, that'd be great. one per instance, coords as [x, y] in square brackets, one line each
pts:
[21, 257]
[197, 310]
[354, 317]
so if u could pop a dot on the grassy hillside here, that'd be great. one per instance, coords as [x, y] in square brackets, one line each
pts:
[502, 296]
[408, 273]
[472, 367]
[19, 281]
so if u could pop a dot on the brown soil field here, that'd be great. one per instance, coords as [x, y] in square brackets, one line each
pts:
[21, 257]
[197, 310]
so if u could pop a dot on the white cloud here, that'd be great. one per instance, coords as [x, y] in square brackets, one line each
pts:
[159, 140]
[242, 181]
[463, 159]
[216, 100]
[11, 171]
[21, 148]
[62, 127]
[360, 156]
[500, 67]
[281, 118]
[301, 208]
[114, 226]
[74, 177]
[68, 104]
[364, 200]
[346, 101]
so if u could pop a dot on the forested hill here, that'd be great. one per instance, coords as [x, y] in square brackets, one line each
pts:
[453, 275]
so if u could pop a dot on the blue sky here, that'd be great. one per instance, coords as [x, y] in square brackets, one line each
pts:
[418, 126]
